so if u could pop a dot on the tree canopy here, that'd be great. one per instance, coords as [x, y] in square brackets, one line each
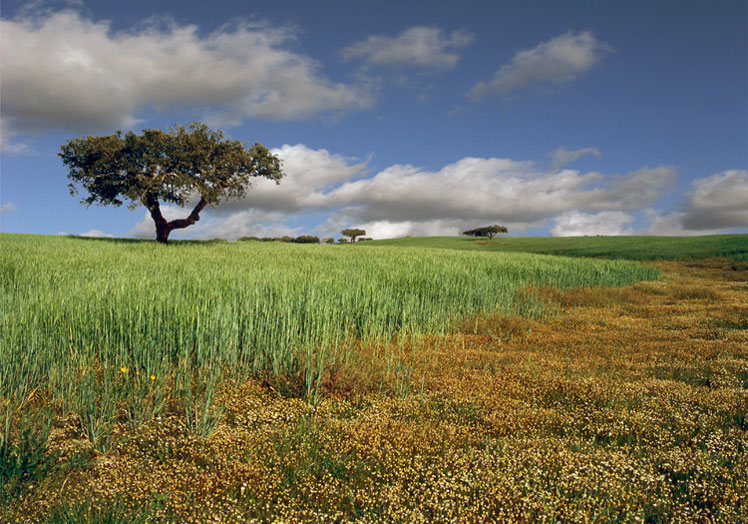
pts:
[352, 233]
[190, 164]
[486, 231]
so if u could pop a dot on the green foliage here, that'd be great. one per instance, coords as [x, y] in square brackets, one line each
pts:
[352, 233]
[486, 231]
[160, 166]
[306, 239]
[328, 240]
[170, 166]
[88, 512]
[24, 460]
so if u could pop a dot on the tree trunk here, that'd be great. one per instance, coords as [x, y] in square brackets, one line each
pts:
[162, 232]
[164, 228]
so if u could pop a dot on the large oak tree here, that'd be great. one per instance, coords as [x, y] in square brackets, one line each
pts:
[187, 164]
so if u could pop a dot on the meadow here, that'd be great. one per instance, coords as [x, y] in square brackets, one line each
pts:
[734, 247]
[256, 382]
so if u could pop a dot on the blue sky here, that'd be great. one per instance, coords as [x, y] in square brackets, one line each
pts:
[404, 118]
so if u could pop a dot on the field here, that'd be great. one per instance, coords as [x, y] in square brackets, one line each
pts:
[256, 382]
[734, 247]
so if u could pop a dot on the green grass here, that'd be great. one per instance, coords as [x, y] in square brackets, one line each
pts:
[103, 326]
[624, 247]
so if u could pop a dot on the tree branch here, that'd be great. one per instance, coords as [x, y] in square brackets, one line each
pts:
[193, 217]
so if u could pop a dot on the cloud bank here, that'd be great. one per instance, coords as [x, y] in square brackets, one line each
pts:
[105, 79]
[337, 192]
[559, 60]
[334, 192]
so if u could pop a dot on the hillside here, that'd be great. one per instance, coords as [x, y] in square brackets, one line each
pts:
[623, 247]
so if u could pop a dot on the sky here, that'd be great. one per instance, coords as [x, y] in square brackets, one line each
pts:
[553, 118]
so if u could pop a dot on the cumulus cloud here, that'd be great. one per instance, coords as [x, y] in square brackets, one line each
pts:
[562, 156]
[638, 189]
[559, 60]
[577, 223]
[494, 189]
[8, 208]
[310, 175]
[718, 201]
[335, 191]
[406, 200]
[61, 70]
[417, 47]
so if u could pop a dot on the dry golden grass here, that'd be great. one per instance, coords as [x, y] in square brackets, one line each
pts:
[627, 405]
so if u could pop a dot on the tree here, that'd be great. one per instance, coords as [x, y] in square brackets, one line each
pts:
[352, 233]
[306, 239]
[192, 164]
[486, 231]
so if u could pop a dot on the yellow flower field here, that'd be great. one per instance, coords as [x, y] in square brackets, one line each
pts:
[626, 405]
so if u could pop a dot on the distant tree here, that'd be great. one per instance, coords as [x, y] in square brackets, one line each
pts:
[175, 167]
[343, 240]
[352, 233]
[328, 240]
[364, 239]
[306, 239]
[247, 239]
[486, 231]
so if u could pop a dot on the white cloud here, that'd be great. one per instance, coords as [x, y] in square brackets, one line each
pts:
[95, 233]
[252, 222]
[14, 147]
[718, 201]
[417, 47]
[495, 190]
[559, 60]
[406, 200]
[577, 223]
[562, 156]
[714, 204]
[61, 70]
[8, 208]
[310, 175]
[640, 188]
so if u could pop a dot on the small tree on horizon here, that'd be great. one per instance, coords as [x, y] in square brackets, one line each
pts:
[187, 164]
[486, 231]
[352, 233]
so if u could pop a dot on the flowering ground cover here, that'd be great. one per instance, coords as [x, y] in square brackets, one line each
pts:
[608, 404]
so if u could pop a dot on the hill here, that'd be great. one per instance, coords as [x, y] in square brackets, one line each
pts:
[734, 247]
